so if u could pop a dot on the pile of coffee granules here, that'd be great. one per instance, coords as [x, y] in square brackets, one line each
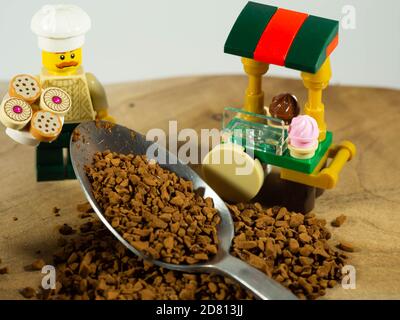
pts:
[93, 264]
[290, 247]
[156, 211]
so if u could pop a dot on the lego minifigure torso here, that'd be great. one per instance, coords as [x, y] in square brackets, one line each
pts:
[77, 87]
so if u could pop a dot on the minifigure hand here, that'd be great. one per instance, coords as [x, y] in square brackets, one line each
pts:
[103, 115]
[109, 119]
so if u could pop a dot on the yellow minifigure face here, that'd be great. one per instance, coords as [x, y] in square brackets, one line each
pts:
[62, 63]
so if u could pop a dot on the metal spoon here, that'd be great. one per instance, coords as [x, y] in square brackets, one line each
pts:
[95, 137]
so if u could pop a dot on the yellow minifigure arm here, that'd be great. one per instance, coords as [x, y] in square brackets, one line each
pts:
[99, 98]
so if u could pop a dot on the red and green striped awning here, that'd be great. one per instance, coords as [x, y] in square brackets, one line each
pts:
[282, 37]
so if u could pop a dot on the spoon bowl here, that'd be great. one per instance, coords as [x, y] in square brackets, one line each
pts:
[102, 136]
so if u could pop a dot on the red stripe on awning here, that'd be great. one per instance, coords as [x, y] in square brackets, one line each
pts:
[332, 45]
[278, 36]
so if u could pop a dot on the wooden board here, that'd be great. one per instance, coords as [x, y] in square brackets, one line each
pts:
[368, 192]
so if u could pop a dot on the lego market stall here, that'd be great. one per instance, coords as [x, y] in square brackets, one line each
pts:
[300, 145]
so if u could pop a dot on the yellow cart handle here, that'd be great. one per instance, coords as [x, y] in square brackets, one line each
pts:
[324, 177]
[340, 154]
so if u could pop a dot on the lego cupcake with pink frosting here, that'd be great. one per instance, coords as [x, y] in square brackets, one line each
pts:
[303, 137]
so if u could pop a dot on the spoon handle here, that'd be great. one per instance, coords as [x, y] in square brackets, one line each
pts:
[262, 286]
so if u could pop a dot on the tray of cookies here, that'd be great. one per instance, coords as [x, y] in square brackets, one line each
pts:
[32, 114]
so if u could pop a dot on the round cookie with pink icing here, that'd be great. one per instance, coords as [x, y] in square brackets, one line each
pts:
[55, 100]
[15, 113]
[303, 137]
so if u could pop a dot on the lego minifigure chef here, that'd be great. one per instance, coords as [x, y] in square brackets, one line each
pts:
[61, 33]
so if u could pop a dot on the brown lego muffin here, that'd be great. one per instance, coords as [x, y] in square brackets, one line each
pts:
[284, 107]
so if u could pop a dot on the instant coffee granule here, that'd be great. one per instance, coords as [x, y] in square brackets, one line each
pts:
[4, 270]
[346, 246]
[338, 221]
[28, 292]
[36, 265]
[66, 229]
[156, 211]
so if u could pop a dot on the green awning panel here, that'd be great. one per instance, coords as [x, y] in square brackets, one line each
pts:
[282, 37]
[247, 30]
[314, 42]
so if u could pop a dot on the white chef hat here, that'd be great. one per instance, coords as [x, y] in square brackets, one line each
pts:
[60, 27]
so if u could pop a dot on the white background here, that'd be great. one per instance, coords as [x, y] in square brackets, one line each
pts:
[142, 39]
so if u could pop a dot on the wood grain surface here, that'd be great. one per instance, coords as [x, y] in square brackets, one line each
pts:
[368, 192]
